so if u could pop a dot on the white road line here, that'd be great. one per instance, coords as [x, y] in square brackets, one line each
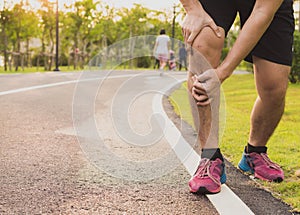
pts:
[36, 87]
[226, 202]
[59, 84]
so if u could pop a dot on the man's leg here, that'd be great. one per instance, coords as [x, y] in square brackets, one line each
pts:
[185, 63]
[210, 46]
[271, 83]
[180, 63]
[210, 173]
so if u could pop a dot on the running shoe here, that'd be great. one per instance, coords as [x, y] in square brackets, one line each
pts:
[261, 166]
[208, 177]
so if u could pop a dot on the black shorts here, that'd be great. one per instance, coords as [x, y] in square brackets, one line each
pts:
[277, 42]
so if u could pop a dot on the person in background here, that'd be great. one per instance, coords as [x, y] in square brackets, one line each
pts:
[161, 49]
[172, 61]
[156, 63]
[182, 57]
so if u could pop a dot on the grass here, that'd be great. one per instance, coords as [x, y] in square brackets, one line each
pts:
[66, 69]
[284, 145]
[37, 69]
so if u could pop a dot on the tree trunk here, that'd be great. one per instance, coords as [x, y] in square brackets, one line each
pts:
[75, 50]
[5, 45]
[17, 58]
[38, 62]
[27, 60]
[9, 62]
[22, 56]
[52, 50]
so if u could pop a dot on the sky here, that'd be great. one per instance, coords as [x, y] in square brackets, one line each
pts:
[152, 4]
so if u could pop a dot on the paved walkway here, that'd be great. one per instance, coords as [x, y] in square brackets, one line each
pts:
[96, 147]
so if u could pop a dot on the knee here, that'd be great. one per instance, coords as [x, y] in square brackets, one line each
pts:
[271, 81]
[209, 45]
[273, 95]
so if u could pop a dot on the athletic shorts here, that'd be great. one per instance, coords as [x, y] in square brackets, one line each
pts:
[277, 42]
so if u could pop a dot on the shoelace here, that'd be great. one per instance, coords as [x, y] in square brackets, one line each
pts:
[269, 162]
[203, 170]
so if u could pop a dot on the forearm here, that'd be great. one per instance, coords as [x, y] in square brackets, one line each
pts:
[191, 5]
[252, 31]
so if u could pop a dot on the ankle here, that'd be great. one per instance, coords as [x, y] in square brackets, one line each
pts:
[258, 149]
[212, 154]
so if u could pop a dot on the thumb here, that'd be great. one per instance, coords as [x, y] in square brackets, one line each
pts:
[205, 76]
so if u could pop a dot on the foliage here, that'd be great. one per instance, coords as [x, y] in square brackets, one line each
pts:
[295, 71]
[85, 27]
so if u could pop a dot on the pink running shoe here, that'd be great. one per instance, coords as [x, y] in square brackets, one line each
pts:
[262, 167]
[208, 177]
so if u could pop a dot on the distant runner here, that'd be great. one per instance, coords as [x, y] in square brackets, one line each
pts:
[161, 49]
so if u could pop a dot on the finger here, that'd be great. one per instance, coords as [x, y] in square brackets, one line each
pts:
[205, 76]
[183, 32]
[186, 31]
[192, 37]
[194, 79]
[201, 100]
[199, 86]
[199, 91]
[199, 97]
[186, 35]
[215, 28]
[204, 103]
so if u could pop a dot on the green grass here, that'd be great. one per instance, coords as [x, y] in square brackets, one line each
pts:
[36, 69]
[284, 145]
[66, 69]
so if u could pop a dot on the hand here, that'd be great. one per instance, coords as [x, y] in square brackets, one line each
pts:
[206, 88]
[194, 22]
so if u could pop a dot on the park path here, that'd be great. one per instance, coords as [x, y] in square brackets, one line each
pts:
[72, 148]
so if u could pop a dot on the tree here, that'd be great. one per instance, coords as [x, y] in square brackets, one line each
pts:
[80, 25]
[47, 25]
[5, 16]
[86, 27]
[16, 33]
[30, 21]
[295, 71]
[22, 27]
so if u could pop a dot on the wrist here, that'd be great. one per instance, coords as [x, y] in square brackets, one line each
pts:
[223, 74]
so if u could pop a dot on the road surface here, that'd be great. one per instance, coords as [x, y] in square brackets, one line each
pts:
[97, 143]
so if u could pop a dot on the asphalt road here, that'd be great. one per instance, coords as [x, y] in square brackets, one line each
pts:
[90, 143]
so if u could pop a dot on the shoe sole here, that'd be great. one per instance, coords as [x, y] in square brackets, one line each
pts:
[204, 191]
[276, 180]
[251, 172]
